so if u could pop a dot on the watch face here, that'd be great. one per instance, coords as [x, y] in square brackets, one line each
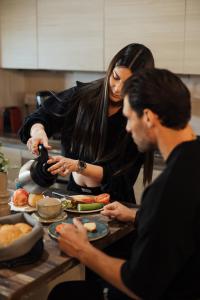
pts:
[82, 164]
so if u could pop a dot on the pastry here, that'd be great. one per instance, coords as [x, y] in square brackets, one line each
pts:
[91, 226]
[11, 232]
[34, 198]
[23, 227]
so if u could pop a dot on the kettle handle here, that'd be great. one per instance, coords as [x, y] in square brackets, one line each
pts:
[43, 153]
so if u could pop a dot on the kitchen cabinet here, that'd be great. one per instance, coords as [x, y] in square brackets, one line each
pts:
[48, 34]
[84, 35]
[18, 34]
[192, 37]
[70, 34]
[157, 24]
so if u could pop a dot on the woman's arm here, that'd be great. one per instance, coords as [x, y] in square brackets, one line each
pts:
[64, 166]
[51, 115]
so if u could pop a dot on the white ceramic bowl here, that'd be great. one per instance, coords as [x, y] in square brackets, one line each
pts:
[49, 208]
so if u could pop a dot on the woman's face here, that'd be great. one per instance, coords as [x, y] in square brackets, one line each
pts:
[116, 81]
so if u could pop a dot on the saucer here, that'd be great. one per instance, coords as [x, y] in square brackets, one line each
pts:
[61, 217]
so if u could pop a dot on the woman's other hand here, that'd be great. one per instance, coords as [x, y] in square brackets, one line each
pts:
[119, 211]
[62, 165]
[38, 136]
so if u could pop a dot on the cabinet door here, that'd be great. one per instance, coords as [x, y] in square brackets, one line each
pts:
[157, 24]
[18, 34]
[192, 37]
[70, 34]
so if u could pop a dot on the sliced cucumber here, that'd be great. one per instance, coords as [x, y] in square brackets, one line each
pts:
[89, 206]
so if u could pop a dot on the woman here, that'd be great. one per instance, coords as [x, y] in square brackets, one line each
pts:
[98, 153]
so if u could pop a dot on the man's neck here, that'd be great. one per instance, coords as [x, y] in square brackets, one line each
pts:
[168, 139]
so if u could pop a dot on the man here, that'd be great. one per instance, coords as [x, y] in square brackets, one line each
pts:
[165, 255]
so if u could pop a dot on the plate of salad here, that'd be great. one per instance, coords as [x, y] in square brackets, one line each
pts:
[85, 203]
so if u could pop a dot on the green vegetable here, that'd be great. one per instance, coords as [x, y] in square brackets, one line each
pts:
[3, 162]
[89, 206]
[68, 204]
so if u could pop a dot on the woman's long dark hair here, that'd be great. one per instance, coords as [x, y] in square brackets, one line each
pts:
[89, 132]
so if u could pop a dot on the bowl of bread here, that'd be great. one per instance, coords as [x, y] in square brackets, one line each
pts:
[18, 235]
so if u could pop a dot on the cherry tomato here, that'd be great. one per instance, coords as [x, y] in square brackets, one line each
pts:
[59, 227]
[102, 198]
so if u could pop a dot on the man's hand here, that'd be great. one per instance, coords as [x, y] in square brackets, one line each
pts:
[73, 239]
[119, 211]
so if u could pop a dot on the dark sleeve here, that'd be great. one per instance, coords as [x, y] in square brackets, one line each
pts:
[51, 114]
[162, 247]
[120, 184]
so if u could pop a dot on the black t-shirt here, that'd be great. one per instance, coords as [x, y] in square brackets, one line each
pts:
[165, 259]
[119, 186]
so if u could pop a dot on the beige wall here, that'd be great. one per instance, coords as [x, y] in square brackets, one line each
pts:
[15, 85]
[12, 85]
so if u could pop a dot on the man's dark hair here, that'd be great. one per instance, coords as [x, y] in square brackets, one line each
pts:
[162, 92]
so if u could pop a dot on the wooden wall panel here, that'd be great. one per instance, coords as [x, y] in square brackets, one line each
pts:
[70, 34]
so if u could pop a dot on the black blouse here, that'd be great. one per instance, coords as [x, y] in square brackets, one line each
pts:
[120, 186]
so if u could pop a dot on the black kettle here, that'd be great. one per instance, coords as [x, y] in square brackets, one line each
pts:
[33, 176]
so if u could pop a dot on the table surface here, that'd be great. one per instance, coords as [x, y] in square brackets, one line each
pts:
[17, 281]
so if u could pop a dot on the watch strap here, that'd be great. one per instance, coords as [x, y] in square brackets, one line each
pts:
[81, 166]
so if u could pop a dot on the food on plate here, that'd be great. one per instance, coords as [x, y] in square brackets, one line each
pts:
[34, 198]
[59, 227]
[89, 206]
[20, 197]
[90, 226]
[103, 198]
[11, 232]
[86, 199]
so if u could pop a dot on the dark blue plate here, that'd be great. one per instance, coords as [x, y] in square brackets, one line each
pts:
[101, 231]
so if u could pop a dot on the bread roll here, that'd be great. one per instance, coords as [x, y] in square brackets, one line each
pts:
[8, 234]
[34, 198]
[23, 227]
[11, 232]
[91, 226]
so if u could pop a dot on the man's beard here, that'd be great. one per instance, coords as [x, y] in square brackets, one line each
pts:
[146, 147]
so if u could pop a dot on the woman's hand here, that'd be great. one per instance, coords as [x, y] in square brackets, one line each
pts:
[73, 238]
[62, 165]
[119, 211]
[38, 136]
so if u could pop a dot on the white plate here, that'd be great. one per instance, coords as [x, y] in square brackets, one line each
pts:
[61, 217]
[76, 197]
[25, 208]
[83, 211]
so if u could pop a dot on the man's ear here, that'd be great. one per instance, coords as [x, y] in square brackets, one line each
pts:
[149, 117]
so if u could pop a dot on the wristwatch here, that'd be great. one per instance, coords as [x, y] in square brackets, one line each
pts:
[81, 166]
